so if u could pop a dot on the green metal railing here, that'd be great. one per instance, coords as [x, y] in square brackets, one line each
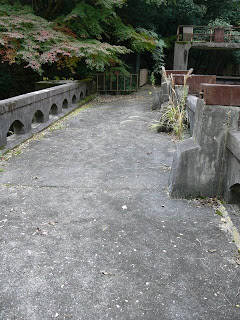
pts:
[108, 82]
[208, 33]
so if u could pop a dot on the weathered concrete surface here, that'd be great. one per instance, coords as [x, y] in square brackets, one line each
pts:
[232, 189]
[94, 258]
[191, 106]
[31, 112]
[181, 52]
[216, 45]
[199, 166]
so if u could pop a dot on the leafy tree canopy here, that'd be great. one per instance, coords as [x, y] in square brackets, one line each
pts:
[42, 33]
[82, 30]
[27, 38]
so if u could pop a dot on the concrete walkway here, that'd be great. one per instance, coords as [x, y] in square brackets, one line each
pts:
[87, 230]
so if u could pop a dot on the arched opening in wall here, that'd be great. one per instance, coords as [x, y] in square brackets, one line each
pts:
[37, 118]
[65, 104]
[74, 99]
[87, 92]
[15, 128]
[235, 194]
[53, 111]
[81, 96]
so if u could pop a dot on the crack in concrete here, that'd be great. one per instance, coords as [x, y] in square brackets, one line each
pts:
[6, 185]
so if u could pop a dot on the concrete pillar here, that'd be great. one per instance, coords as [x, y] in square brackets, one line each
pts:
[181, 52]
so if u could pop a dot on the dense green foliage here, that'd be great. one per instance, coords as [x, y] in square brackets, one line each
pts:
[91, 31]
[33, 40]
[73, 38]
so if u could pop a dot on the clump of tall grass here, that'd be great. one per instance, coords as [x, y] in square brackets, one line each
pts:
[174, 117]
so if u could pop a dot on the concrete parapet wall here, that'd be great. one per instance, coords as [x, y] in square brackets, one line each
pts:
[232, 181]
[162, 95]
[27, 113]
[181, 52]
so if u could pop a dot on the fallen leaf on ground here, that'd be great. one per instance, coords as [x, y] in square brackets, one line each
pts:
[40, 231]
[105, 273]
[212, 250]
[52, 223]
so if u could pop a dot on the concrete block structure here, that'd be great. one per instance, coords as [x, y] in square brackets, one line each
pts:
[208, 163]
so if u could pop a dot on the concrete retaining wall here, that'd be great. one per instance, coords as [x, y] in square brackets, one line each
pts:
[24, 115]
[208, 164]
[232, 181]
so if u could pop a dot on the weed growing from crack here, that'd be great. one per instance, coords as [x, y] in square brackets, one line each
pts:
[218, 212]
[174, 117]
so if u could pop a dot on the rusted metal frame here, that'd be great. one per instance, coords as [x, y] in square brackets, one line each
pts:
[206, 27]
[229, 36]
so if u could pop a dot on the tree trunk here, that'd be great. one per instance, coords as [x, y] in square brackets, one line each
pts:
[52, 8]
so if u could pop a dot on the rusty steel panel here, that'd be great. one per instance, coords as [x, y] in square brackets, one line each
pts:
[194, 81]
[220, 94]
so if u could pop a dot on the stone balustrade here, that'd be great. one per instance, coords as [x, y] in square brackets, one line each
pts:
[24, 115]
